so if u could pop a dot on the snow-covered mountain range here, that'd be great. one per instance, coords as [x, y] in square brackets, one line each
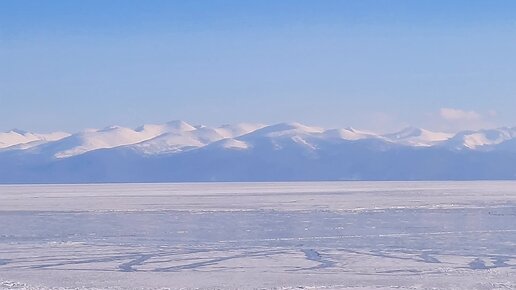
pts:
[178, 151]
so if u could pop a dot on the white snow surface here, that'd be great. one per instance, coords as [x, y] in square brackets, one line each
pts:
[99, 139]
[174, 136]
[311, 235]
[418, 137]
[349, 134]
[286, 129]
[196, 137]
[178, 136]
[231, 131]
[18, 137]
[233, 144]
[482, 138]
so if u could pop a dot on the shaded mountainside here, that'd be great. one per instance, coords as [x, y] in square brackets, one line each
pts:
[179, 152]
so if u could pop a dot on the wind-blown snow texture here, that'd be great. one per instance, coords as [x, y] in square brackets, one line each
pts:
[321, 235]
[178, 151]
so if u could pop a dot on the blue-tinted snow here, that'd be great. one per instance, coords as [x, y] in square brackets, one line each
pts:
[259, 235]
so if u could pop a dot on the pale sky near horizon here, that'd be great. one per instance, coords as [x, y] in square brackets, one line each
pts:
[379, 65]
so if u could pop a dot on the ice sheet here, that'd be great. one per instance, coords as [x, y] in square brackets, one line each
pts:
[337, 235]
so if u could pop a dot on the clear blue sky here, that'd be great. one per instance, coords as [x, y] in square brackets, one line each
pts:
[374, 64]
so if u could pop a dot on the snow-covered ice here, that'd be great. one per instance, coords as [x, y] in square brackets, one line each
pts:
[335, 235]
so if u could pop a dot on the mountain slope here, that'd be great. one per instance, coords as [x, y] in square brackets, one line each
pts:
[417, 137]
[23, 139]
[480, 140]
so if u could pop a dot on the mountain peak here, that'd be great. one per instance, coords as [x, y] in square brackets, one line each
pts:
[180, 125]
[287, 126]
[349, 133]
[417, 137]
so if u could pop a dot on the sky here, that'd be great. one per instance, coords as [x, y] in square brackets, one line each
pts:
[379, 65]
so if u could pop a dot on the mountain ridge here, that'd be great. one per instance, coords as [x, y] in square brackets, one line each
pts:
[177, 151]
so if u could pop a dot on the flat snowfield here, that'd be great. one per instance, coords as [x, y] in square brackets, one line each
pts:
[322, 235]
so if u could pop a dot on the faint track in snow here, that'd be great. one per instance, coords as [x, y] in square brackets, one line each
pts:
[128, 267]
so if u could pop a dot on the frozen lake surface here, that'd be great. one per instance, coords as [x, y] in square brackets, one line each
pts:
[334, 235]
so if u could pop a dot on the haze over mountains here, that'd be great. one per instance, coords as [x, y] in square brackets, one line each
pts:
[179, 152]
